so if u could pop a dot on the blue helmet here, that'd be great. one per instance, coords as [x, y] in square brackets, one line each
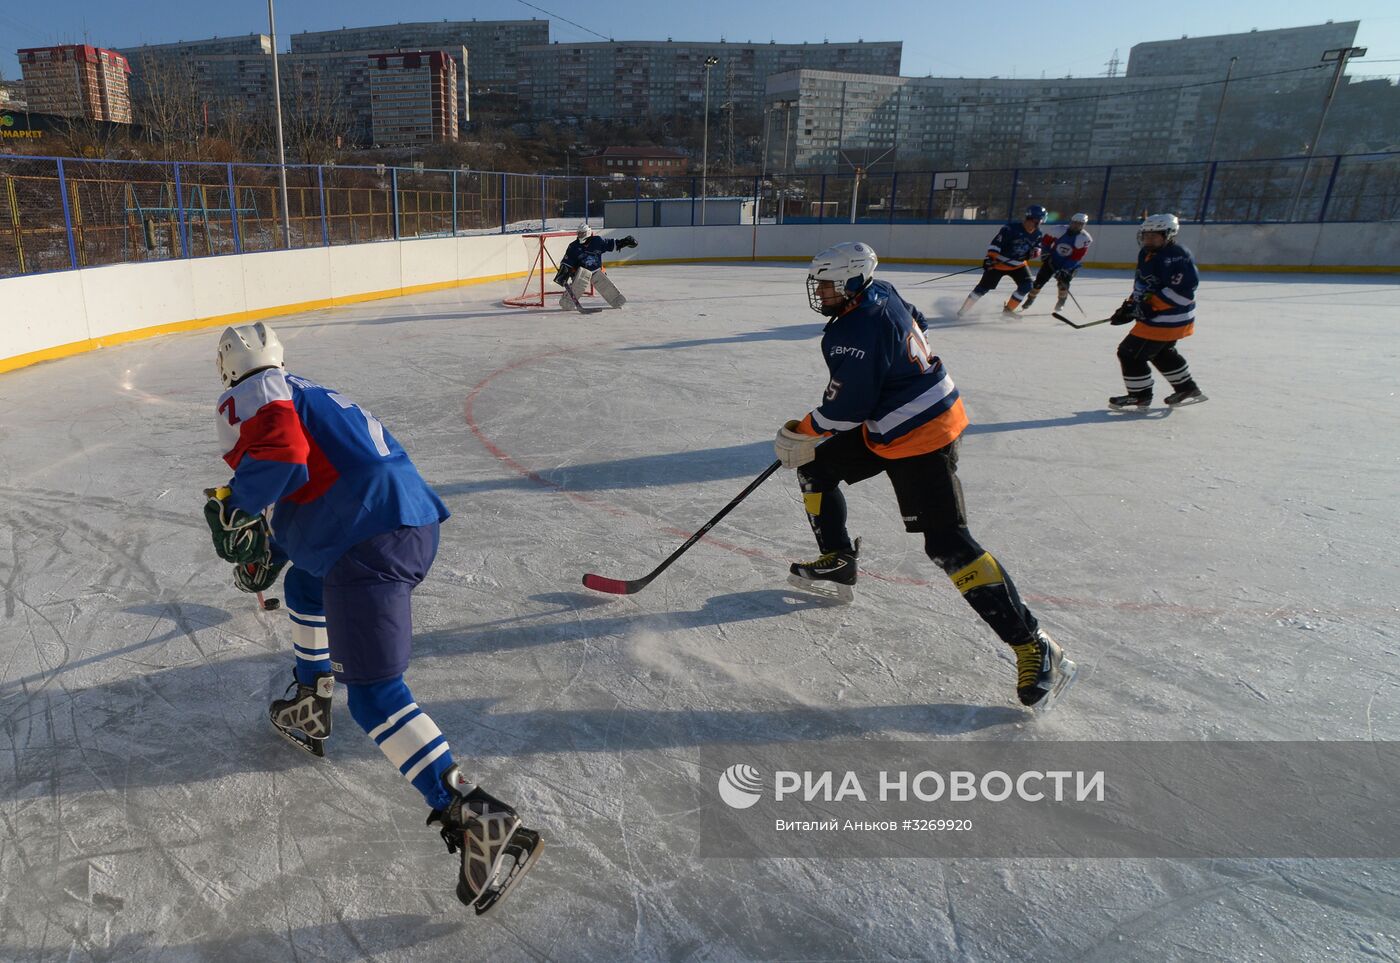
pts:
[1035, 213]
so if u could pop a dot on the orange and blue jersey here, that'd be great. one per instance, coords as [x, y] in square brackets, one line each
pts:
[884, 381]
[333, 474]
[1165, 285]
[1012, 246]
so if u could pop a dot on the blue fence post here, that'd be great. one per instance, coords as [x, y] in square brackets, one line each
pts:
[1327, 196]
[454, 203]
[1103, 196]
[544, 204]
[821, 202]
[321, 190]
[585, 200]
[1210, 189]
[692, 202]
[233, 212]
[1015, 186]
[67, 215]
[894, 192]
[394, 188]
[932, 184]
[503, 202]
[180, 213]
[637, 202]
[757, 199]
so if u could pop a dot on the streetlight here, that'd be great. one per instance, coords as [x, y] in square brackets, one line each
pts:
[281, 150]
[705, 148]
[1340, 56]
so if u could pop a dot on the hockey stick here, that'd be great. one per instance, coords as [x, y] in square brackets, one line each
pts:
[975, 267]
[615, 586]
[1076, 301]
[569, 290]
[1088, 324]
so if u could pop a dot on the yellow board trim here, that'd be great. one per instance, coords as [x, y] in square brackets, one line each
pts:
[237, 317]
[981, 572]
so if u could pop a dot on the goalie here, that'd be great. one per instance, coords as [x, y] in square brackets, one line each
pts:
[582, 264]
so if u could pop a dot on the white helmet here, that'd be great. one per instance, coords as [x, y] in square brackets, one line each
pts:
[1080, 219]
[584, 232]
[1165, 224]
[850, 265]
[245, 349]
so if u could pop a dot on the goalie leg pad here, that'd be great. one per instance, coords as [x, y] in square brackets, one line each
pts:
[607, 290]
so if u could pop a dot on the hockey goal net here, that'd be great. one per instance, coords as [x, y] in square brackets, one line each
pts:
[544, 251]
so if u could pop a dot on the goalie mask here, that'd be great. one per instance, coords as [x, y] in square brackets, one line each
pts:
[583, 233]
[849, 267]
[245, 349]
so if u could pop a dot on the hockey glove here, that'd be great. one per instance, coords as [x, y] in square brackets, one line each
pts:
[793, 448]
[628, 241]
[1063, 276]
[257, 576]
[988, 263]
[564, 275]
[1127, 312]
[238, 536]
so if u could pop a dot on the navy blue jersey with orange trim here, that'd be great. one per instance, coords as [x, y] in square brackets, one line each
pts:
[884, 380]
[1166, 283]
[1013, 245]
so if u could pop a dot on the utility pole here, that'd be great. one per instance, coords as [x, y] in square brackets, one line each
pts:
[281, 149]
[1340, 56]
[1220, 109]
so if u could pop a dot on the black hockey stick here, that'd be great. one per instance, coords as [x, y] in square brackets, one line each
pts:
[1076, 301]
[1088, 324]
[975, 267]
[616, 586]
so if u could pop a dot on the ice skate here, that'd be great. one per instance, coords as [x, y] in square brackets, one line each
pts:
[496, 850]
[1030, 299]
[1043, 674]
[832, 575]
[1129, 402]
[304, 718]
[1186, 396]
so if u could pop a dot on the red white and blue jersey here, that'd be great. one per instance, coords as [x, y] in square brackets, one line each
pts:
[333, 473]
[1065, 250]
[588, 254]
[1012, 246]
[1166, 283]
[884, 381]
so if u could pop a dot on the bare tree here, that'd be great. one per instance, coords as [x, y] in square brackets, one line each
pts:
[166, 104]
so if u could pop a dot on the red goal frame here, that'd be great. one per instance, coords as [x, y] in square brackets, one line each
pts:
[542, 270]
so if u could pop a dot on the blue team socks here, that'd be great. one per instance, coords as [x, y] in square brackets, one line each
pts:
[406, 735]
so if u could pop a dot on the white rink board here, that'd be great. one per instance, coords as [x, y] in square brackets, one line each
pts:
[1222, 572]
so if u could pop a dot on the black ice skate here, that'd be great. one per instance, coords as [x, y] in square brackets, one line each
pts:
[833, 575]
[497, 851]
[1043, 674]
[1129, 402]
[305, 718]
[1030, 299]
[1186, 396]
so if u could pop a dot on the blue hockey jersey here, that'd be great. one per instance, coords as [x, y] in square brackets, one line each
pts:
[1166, 283]
[1013, 245]
[588, 254]
[334, 473]
[884, 381]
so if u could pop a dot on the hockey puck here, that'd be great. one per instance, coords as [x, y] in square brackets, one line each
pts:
[272, 605]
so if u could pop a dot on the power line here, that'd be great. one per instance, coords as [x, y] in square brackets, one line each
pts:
[565, 20]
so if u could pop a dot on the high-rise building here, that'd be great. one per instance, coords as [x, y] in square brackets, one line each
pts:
[1258, 51]
[621, 79]
[491, 45]
[413, 97]
[77, 80]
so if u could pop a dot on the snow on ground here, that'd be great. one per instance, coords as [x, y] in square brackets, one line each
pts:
[1226, 571]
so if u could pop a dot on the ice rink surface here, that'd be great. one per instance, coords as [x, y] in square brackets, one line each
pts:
[1226, 571]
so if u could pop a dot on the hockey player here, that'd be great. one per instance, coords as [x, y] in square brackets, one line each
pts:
[891, 408]
[583, 262]
[360, 527]
[1016, 242]
[1060, 258]
[1163, 306]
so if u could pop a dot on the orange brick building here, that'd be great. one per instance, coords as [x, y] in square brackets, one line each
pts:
[76, 80]
[637, 162]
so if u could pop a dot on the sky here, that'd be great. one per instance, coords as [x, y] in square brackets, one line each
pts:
[1020, 39]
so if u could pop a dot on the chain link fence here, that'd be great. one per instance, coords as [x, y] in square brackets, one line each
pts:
[63, 213]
